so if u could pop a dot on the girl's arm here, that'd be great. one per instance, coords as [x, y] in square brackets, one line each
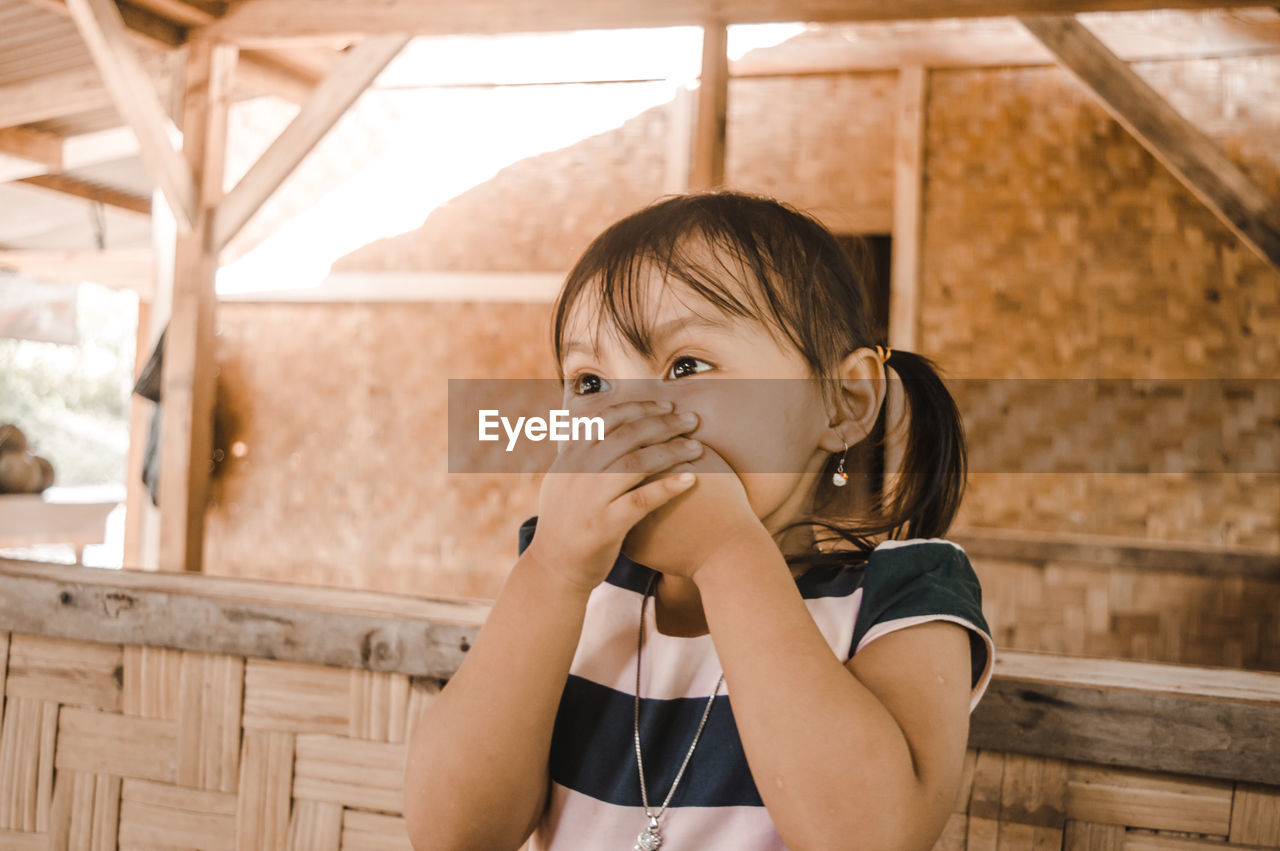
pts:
[867, 755]
[476, 773]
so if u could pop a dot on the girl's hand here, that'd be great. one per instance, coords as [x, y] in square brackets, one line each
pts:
[679, 537]
[595, 491]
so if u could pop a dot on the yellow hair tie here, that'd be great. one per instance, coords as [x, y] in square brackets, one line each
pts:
[883, 353]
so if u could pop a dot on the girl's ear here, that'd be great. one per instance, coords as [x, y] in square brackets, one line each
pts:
[861, 392]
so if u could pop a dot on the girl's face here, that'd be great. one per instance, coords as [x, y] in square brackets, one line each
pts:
[773, 428]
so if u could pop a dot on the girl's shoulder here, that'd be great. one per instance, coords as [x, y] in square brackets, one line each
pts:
[913, 581]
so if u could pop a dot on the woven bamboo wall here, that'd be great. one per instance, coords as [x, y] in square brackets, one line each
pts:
[107, 745]
[1056, 247]
[1127, 613]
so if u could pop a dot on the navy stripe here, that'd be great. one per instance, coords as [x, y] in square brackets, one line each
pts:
[817, 581]
[593, 749]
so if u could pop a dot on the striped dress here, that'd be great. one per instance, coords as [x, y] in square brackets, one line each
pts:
[595, 793]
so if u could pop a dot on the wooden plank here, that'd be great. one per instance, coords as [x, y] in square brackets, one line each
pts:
[135, 98]
[1255, 815]
[26, 518]
[137, 494]
[1215, 733]
[1003, 42]
[264, 794]
[379, 706]
[904, 277]
[363, 831]
[158, 815]
[91, 192]
[27, 763]
[187, 386]
[1190, 155]
[706, 165]
[260, 21]
[34, 145]
[315, 826]
[121, 745]
[1091, 836]
[161, 25]
[126, 269]
[360, 286]
[288, 697]
[328, 103]
[53, 96]
[338, 770]
[1145, 799]
[62, 671]
[908, 198]
[1116, 551]
[210, 690]
[348, 629]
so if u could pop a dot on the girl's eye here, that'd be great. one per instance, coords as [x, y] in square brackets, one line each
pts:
[676, 367]
[587, 383]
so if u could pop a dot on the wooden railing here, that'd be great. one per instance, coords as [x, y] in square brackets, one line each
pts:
[150, 709]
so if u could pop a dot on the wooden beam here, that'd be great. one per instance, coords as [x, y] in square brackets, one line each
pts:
[33, 145]
[1120, 553]
[257, 21]
[390, 286]
[706, 164]
[137, 495]
[1213, 722]
[328, 103]
[1000, 42]
[188, 380]
[53, 96]
[904, 277]
[136, 100]
[349, 628]
[1190, 155]
[908, 201]
[92, 192]
[125, 269]
[165, 24]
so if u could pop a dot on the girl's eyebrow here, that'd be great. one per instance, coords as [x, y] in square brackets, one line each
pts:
[663, 331]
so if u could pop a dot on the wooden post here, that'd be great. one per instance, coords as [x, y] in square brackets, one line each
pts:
[707, 166]
[189, 374]
[904, 279]
[330, 101]
[136, 496]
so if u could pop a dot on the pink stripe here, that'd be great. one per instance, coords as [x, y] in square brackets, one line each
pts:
[574, 821]
[675, 667]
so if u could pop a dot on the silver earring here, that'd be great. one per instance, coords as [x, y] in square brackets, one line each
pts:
[840, 478]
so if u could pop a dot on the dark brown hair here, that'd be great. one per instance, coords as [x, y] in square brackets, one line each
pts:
[799, 284]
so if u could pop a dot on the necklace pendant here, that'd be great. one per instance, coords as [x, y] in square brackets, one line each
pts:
[650, 839]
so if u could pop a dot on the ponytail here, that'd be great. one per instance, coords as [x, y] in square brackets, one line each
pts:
[926, 492]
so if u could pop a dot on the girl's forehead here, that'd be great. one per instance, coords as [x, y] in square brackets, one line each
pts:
[664, 303]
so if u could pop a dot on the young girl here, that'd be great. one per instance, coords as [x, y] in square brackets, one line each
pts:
[678, 660]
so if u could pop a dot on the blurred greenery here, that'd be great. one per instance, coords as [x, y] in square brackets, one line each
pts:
[72, 402]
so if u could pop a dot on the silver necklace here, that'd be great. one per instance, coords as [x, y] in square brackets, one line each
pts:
[650, 839]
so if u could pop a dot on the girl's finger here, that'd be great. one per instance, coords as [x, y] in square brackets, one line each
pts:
[631, 507]
[642, 432]
[635, 466]
[622, 412]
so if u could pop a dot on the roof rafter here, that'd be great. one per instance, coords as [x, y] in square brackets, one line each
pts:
[1188, 153]
[263, 21]
[135, 98]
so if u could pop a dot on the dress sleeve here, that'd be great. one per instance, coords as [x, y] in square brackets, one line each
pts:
[912, 582]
